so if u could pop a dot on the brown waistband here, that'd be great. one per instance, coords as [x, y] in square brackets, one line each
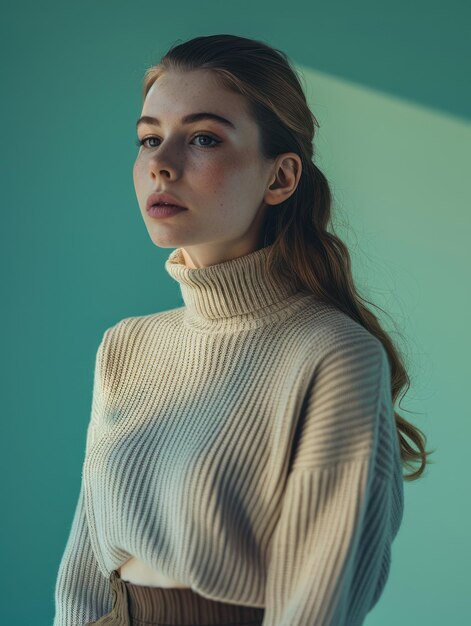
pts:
[178, 606]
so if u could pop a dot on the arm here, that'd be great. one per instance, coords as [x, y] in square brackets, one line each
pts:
[332, 539]
[82, 593]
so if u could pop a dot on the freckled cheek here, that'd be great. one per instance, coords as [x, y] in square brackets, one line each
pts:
[212, 177]
[218, 175]
[139, 167]
[223, 174]
[137, 173]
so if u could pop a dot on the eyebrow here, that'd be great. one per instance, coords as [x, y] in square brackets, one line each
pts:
[188, 119]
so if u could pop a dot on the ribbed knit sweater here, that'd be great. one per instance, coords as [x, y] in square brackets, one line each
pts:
[243, 444]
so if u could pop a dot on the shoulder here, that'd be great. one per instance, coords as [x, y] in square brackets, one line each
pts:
[123, 338]
[132, 327]
[331, 334]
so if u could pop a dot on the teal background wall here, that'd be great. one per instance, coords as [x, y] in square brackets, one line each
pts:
[387, 83]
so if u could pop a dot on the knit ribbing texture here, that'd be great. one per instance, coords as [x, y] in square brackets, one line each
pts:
[243, 444]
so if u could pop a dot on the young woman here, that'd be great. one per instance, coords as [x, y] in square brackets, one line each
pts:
[244, 460]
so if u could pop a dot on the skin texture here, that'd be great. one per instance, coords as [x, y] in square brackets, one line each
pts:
[227, 189]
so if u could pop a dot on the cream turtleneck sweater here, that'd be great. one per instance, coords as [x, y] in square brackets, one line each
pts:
[243, 444]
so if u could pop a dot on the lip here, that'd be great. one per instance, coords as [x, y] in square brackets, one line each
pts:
[162, 212]
[155, 198]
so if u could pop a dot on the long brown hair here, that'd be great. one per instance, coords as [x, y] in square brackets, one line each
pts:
[317, 259]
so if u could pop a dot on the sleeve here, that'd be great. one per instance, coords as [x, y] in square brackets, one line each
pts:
[329, 551]
[82, 593]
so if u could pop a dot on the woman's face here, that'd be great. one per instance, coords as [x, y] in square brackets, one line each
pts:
[214, 169]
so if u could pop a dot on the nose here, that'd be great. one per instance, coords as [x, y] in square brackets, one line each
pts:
[164, 162]
[157, 168]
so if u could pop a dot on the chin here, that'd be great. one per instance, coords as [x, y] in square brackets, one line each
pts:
[165, 240]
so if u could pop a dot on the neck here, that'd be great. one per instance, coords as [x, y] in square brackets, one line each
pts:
[235, 291]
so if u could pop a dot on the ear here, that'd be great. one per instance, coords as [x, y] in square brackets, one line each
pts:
[284, 178]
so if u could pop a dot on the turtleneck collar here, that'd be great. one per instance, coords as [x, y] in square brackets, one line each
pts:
[234, 291]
